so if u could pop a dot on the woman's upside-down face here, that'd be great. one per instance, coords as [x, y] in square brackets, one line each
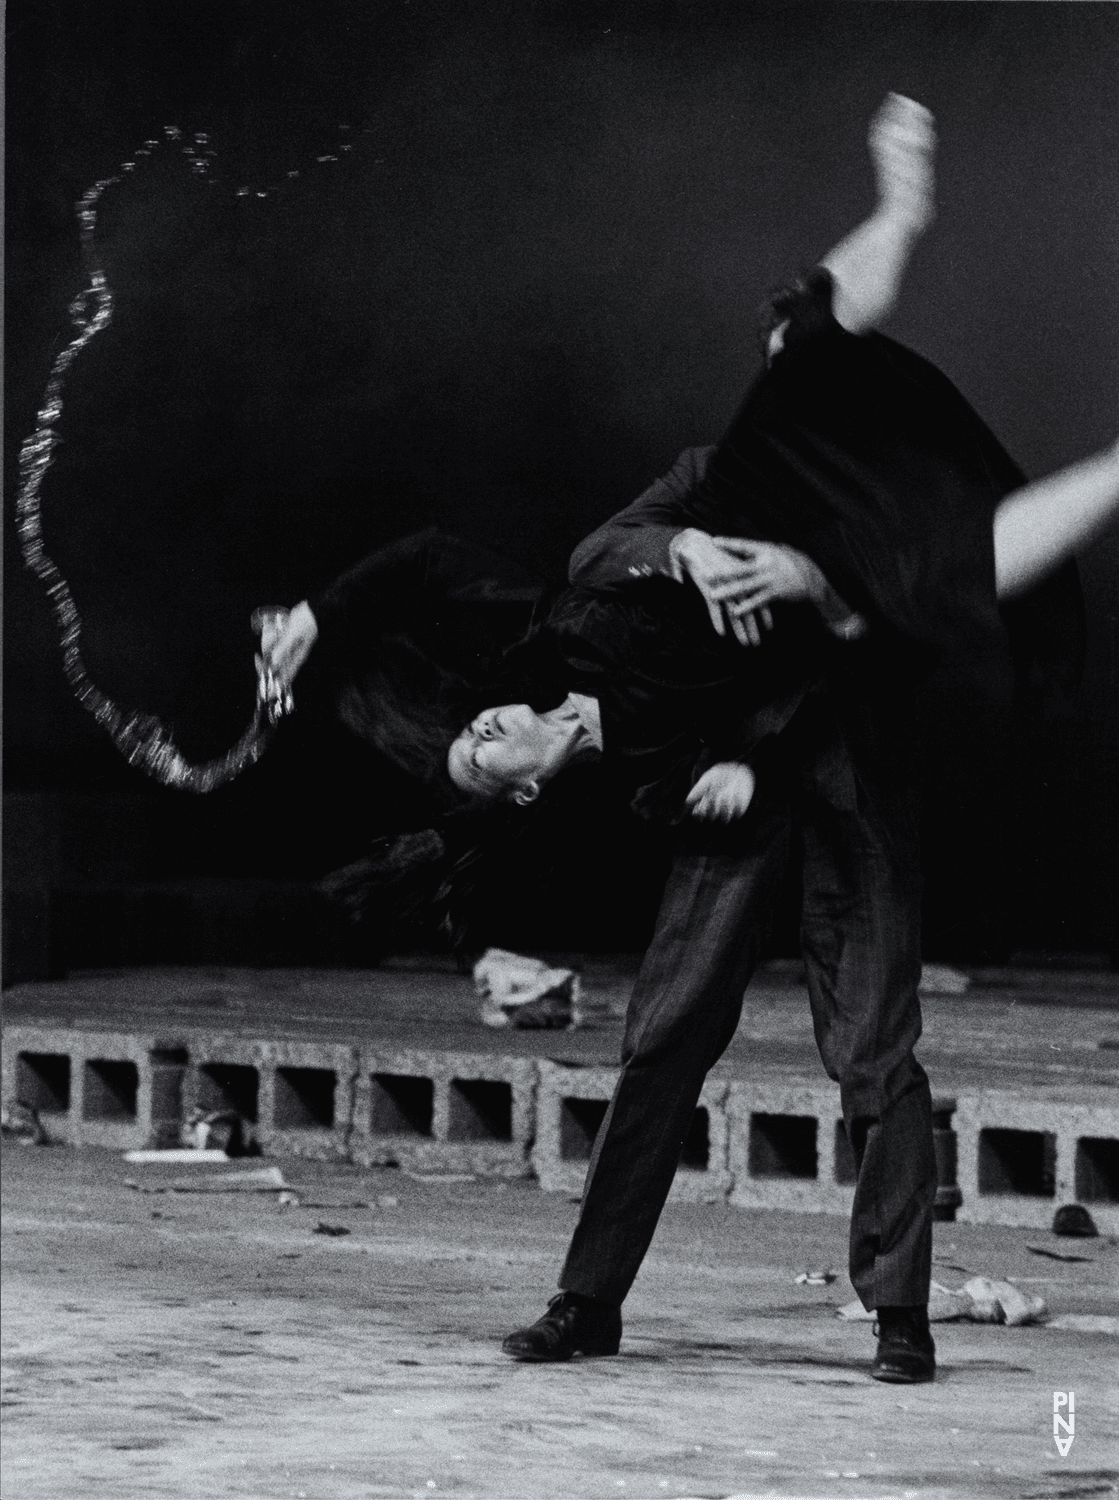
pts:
[502, 752]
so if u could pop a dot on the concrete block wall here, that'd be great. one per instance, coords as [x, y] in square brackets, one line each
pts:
[444, 1111]
[570, 1105]
[768, 1142]
[127, 1090]
[1022, 1155]
[97, 1088]
[295, 1098]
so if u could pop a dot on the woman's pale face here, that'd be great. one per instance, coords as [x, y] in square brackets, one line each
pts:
[503, 750]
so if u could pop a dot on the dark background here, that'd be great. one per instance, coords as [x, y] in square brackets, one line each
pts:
[529, 284]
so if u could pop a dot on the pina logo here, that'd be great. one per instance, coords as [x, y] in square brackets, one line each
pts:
[1065, 1400]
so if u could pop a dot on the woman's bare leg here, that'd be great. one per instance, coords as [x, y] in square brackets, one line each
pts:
[868, 265]
[1042, 525]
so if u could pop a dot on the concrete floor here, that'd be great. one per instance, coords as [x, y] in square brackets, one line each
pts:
[189, 1346]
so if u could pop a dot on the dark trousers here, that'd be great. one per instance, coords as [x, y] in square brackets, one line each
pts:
[844, 792]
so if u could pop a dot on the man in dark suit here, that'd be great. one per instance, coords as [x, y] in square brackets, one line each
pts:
[862, 455]
[839, 782]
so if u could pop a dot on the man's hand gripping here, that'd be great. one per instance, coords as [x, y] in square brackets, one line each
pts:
[739, 579]
[723, 578]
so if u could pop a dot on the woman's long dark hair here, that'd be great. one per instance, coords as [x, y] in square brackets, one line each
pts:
[410, 709]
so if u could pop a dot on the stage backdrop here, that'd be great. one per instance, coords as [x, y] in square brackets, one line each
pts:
[492, 266]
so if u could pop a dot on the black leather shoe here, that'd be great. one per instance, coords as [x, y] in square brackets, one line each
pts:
[572, 1325]
[906, 1352]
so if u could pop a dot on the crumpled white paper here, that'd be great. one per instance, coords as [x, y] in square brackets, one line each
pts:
[980, 1300]
[508, 982]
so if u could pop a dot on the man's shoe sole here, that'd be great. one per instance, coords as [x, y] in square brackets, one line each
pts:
[904, 1377]
[528, 1357]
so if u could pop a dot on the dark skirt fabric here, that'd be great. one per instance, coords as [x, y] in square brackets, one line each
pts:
[867, 458]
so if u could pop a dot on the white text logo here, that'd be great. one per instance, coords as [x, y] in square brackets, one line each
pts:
[1064, 1401]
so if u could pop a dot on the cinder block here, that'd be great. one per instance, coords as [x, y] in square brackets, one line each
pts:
[570, 1105]
[96, 1088]
[787, 1147]
[444, 1111]
[1021, 1156]
[226, 1073]
[306, 1098]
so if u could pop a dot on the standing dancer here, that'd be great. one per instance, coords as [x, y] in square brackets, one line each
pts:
[821, 454]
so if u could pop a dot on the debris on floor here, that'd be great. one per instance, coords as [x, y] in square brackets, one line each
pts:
[1074, 1220]
[1086, 1323]
[258, 1180]
[939, 979]
[169, 1155]
[335, 1231]
[979, 1300]
[217, 1130]
[1052, 1254]
[1001, 1302]
[20, 1122]
[816, 1278]
[526, 993]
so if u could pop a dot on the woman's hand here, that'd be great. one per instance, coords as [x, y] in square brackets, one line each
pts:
[286, 641]
[724, 792]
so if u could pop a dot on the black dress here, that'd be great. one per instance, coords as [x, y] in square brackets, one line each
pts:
[864, 456]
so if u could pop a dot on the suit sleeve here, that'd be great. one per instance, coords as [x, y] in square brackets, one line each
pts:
[636, 542]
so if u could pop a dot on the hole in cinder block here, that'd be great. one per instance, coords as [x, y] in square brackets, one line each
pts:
[304, 1099]
[480, 1109]
[579, 1124]
[846, 1171]
[229, 1086]
[697, 1143]
[782, 1146]
[43, 1081]
[1018, 1161]
[402, 1104]
[110, 1090]
[1097, 1169]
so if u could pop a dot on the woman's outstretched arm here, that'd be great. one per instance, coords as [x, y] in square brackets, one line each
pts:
[1039, 527]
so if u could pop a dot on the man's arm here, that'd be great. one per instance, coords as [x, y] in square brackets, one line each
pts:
[654, 537]
[638, 541]
[737, 578]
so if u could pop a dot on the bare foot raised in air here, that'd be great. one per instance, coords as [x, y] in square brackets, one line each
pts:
[902, 141]
[867, 266]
